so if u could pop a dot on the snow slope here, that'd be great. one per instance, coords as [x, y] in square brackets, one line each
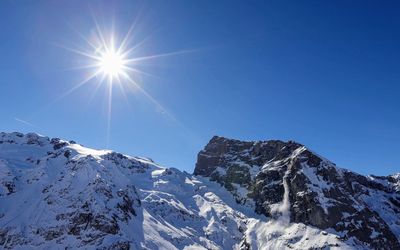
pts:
[57, 194]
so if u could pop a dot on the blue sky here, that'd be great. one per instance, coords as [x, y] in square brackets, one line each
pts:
[323, 73]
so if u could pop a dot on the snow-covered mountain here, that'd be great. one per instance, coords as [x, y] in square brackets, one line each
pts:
[57, 194]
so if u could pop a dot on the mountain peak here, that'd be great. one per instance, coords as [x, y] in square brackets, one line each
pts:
[247, 152]
[263, 173]
[221, 139]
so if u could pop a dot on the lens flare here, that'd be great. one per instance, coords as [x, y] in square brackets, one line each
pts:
[111, 60]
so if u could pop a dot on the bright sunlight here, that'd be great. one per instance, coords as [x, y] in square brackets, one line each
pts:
[111, 63]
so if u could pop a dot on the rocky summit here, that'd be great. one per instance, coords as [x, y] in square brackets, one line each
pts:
[58, 194]
[319, 194]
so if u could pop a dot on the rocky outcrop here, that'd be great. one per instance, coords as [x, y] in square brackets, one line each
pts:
[320, 194]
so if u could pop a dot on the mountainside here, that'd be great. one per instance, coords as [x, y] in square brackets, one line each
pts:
[57, 194]
[288, 181]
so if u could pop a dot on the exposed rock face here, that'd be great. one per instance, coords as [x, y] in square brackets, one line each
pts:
[320, 194]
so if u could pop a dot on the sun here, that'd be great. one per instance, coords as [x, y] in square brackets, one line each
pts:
[115, 62]
[111, 63]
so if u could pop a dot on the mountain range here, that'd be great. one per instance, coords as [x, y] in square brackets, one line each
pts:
[58, 194]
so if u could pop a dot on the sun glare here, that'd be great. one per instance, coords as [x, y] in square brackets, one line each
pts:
[112, 60]
[111, 63]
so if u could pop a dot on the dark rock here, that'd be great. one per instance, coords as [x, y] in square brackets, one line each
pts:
[67, 153]
[10, 187]
[119, 245]
[58, 143]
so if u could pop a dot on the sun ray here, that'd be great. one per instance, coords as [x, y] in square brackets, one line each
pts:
[96, 89]
[109, 112]
[86, 80]
[136, 46]
[93, 46]
[127, 37]
[163, 110]
[87, 66]
[141, 72]
[99, 32]
[122, 89]
[79, 52]
[151, 98]
[128, 51]
[137, 59]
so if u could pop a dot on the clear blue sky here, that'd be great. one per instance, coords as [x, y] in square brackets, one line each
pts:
[323, 73]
